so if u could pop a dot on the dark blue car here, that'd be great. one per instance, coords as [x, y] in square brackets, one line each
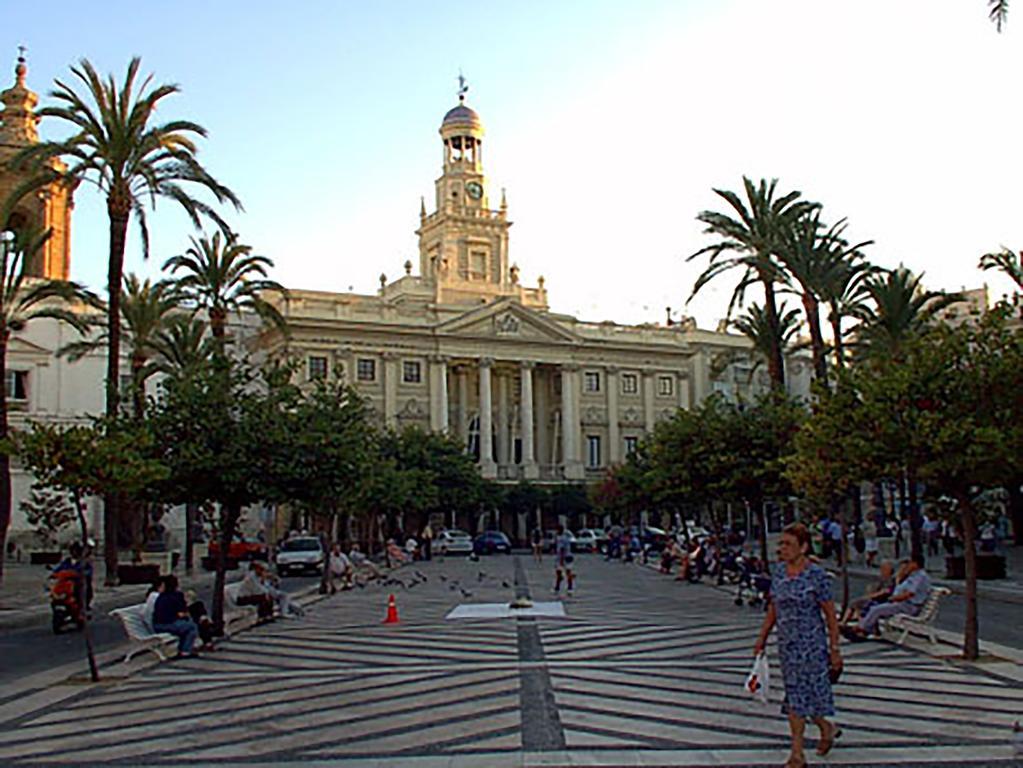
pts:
[489, 542]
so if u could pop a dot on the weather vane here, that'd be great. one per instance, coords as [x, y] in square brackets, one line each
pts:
[21, 51]
[463, 87]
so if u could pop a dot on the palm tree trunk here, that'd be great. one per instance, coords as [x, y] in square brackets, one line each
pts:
[118, 211]
[775, 360]
[971, 644]
[813, 319]
[5, 459]
[836, 332]
[138, 390]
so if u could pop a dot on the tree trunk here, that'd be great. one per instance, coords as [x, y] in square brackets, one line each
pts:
[968, 519]
[1016, 508]
[118, 210]
[776, 359]
[5, 459]
[843, 552]
[229, 514]
[762, 519]
[90, 654]
[190, 510]
[836, 332]
[916, 522]
[813, 321]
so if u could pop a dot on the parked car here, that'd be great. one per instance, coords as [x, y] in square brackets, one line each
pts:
[585, 540]
[550, 536]
[654, 539]
[239, 551]
[489, 542]
[453, 542]
[301, 554]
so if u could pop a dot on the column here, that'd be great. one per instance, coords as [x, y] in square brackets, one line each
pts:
[542, 418]
[614, 435]
[439, 393]
[529, 468]
[504, 453]
[648, 402]
[570, 422]
[487, 466]
[390, 389]
[683, 392]
[701, 378]
[462, 377]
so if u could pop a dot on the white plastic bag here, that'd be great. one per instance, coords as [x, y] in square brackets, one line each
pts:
[758, 681]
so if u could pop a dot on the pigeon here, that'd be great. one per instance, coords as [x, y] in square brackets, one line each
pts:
[421, 576]
[443, 577]
[480, 576]
[465, 592]
[506, 585]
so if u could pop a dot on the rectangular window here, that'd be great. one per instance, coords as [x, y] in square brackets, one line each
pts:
[665, 386]
[317, 368]
[631, 444]
[593, 450]
[630, 384]
[17, 385]
[412, 372]
[591, 381]
[366, 369]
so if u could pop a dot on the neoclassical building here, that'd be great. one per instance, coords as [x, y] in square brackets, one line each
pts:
[463, 345]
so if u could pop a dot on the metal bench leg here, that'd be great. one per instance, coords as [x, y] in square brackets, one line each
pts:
[902, 638]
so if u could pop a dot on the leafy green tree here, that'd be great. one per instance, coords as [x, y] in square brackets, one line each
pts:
[49, 513]
[223, 276]
[117, 146]
[24, 300]
[107, 457]
[750, 237]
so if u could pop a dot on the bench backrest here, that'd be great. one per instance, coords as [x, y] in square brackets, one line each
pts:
[231, 594]
[930, 607]
[132, 619]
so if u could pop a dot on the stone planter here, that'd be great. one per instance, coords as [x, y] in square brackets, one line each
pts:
[44, 558]
[145, 573]
[988, 567]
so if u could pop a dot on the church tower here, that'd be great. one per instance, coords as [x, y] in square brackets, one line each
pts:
[48, 208]
[463, 244]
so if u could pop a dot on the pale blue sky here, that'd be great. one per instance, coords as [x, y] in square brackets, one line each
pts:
[607, 122]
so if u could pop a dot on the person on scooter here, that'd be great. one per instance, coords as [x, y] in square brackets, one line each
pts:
[75, 562]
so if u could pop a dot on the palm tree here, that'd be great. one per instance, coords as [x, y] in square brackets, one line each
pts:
[750, 241]
[145, 309]
[118, 147]
[901, 310]
[223, 276]
[845, 291]
[810, 254]
[181, 345]
[756, 327]
[21, 302]
[1006, 261]
[999, 12]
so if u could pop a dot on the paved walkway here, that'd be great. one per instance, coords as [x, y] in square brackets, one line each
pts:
[643, 672]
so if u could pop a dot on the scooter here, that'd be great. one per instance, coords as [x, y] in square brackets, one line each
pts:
[65, 602]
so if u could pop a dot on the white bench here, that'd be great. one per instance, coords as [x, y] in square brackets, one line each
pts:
[923, 623]
[141, 637]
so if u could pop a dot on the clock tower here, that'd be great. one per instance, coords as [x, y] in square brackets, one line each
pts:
[463, 244]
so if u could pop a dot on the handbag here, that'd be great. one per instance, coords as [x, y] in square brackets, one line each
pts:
[758, 681]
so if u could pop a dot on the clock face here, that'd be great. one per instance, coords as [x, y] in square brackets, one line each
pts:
[474, 189]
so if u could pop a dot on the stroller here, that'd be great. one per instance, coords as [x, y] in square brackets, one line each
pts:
[754, 583]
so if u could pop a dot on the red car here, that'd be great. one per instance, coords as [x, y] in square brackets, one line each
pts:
[237, 552]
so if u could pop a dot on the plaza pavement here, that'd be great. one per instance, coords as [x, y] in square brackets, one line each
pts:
[642, 672]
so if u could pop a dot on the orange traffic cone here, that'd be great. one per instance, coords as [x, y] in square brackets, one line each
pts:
[392, 611]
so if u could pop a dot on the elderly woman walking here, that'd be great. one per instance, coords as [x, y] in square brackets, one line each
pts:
[804, 612]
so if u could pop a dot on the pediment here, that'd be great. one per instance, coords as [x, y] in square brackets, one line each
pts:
[23, 348]
[506, 319]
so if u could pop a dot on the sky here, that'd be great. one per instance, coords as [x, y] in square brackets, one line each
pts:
[608, 123]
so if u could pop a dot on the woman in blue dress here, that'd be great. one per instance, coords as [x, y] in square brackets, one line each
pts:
[804, 613]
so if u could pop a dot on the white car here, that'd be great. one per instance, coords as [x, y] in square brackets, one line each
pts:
[585, 540]
[302, 553]
[453, 542]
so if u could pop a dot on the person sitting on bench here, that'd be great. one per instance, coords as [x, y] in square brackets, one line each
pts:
[908, 598]
[170, 615]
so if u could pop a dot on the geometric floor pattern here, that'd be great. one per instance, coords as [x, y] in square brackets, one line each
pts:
[641, 672]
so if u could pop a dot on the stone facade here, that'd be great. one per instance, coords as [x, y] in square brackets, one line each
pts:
[464, 347]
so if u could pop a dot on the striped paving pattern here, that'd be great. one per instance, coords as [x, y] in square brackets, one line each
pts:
[643, 672]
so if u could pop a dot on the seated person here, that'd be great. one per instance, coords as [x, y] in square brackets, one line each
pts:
[908, 598]
[154, 592]
[411, 548]
[362, 563]
[197, 612]
[395, 555]
[669, 555]
[339, 569]
[278, 597]
[170, 615]
[253, 592]
[877, 592]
